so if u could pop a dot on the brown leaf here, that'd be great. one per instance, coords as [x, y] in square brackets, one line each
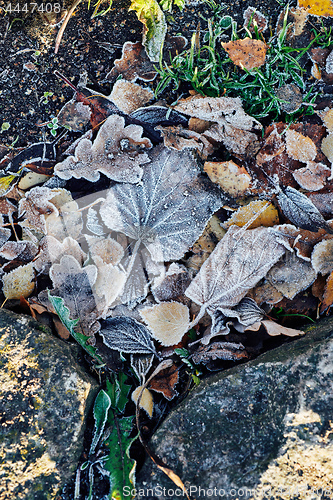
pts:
[129, 96]
[117, 152]
[327, 116]
[247, 53]
[313, 176]
[299, 147]
[19, 282]
[134, 64]
[232, 178]
[173, 285]
[291, 96]
[168, 321]
[165, 382]
[179, 138]
[226, 351]
[253, 18]
[74, 115]
[328, 294]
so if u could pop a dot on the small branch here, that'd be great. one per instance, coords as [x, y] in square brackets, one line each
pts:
[64, 24]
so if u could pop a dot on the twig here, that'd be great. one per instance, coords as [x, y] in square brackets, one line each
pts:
[64, 24]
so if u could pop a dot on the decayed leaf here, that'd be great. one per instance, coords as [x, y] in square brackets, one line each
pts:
[134, 64]
[151, 15]
[146, 401]
[232, 178]
[301, 211]
[141, 364]
[247, 53]
[273, 329]
[117, 152]
[35, 206]
[51, 250]
[23, 251]
[299, 147]
[226, 351]
[239, 261]
[322, 257]
[254, 18]
[173, 285]
[322, 8]
[328, 294]
[291, 275]
[75, 285]
[170, 208]
[177, 137]
[237, 140]
[105, 250]
[313, 176]
[266, 293]
[291, 98]
[74, 115]
[327, 116]
[272, 147]
[19, 282]
[129, 96]
[167, 321]
[165, 382]
[269, 217]
[109, 284]
[127, 335]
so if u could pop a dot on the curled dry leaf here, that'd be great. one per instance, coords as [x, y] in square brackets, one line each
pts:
[240, 260]
[272, 147]
[226, 351]
[253, 210]
[265, 293]
[51, 250]
[165, 382]
[232, 178]
[19, 282]
[74, 115]
[141, 364]
[313, 176]
[129, 96]
[273, 329]
[299, 147]
[173, 285]
[168, 321]
[291, 276]
[127, 335]
[134, 64]
[322, 257]
[247, 53]
[177, 137]
[117, 152]
[146, 401]
[168, 211]
[237, 140]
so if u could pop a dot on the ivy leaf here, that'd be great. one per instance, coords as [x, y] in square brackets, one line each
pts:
[151, 15]
[301, 211]
[127, 335]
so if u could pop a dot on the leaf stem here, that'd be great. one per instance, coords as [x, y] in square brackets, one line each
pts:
[198, 318]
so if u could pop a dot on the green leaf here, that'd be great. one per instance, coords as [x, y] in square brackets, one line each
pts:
[151, 15]
[167, 4]
[118, 392]
[63, 313]
[118, 462]
[101, 408]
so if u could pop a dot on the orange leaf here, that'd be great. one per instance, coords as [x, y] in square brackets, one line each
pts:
[328, 294]
[317, 7]
[247, 53]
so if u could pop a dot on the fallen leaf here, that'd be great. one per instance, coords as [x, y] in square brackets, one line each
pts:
[323, 8]
[299, 147]
[247, 53]
[327, 147]
[322, 257]
[117, 152]
[236, 140]
[240, 260]
[51, 250]
[134, 64]
[273, 329]
[328, 294]
[254, 19]
[232, 178]
[165, 382]
[146, 400]
[104, 250]
[127, 335]
[19, 282]
[173, 284]
[253, 210]
[291, 97]
[129, 96]
[168, 321]
[225, 351]
[313, 176]
[74, 115]
[170, 208]
[5, 233]
[141, 364]
[179, 138]
[265, 293]
[327, 116]
[301, 211]
[291, 275]
[109, 284]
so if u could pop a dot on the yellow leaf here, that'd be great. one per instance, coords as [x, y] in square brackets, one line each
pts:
[167, 321]
[19, 282]
[232, 178]
[322, 8]
[269, 217]
[146, 401]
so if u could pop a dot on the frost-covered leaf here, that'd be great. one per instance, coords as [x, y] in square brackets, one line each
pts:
[129, 96]
[254, 20]
[36, 206]
[291, 98]
[247, 53]
[127, 335]
[253, 210]
[291, 276]
[299, 147]
[327, 116]
[19, 282]
[167, 321]
[247, 312]
[134, 64]
[168, 211]
[301, 211]
[313, 176]
[4, 232]
[93, 223]
[327, 146]
[117, 152]
[173, 284]
[226, 351]
[141, 365]
[151, 15]
[105, 250]
[23, 251]
[273, 329]
[51, 250]
[177, 137]
[322, 257]
[240, 260]
[146, 400]
[74, 115]
[109, 284]
[165, 382]
[232, 178]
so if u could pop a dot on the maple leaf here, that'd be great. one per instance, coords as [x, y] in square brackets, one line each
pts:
[117, 152]
[239, 261]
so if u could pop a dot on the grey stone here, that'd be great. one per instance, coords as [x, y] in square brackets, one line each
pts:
[262, 430]
[45, 397]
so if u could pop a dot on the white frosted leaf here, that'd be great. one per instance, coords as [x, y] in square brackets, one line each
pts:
[301, 211]
[19, 282]
[300, 147]
[322, 257]
[109, 283]
[93, 223]
[127, 335]
[168, 211]
[167, 321]
[313, 176]
[239, 261]
[105, 250]
[247, 312]
[141, 364]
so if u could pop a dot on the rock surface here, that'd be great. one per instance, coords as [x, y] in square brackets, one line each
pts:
[262, 430]
[45, 397]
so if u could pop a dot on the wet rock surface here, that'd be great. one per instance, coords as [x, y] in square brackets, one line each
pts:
[45, 398]
[259, 430]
